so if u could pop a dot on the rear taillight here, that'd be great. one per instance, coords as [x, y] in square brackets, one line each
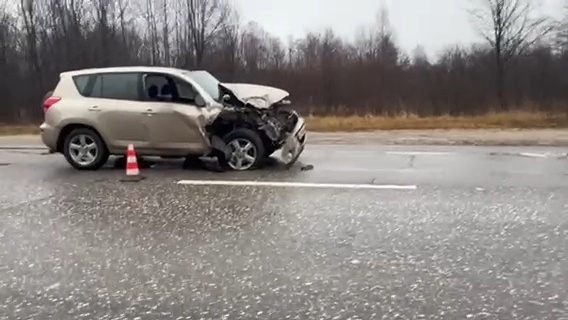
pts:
[50, 102]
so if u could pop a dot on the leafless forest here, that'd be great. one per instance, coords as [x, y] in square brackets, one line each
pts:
[522, 62]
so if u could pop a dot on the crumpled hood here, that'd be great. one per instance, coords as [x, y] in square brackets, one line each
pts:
[259, 96]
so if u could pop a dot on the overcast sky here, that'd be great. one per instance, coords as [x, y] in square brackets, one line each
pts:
[435, 24]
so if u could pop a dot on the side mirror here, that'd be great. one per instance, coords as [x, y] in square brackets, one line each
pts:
[226, 97]
[199, 101]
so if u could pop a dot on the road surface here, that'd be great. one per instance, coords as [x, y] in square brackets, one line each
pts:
[371, 232]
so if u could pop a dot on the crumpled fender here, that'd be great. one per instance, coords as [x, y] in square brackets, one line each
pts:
[220, 146]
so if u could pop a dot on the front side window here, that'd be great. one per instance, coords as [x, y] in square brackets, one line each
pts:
[185, 91]
[159, 87]
[207, 81]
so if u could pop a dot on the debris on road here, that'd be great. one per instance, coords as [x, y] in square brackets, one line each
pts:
[307, 167]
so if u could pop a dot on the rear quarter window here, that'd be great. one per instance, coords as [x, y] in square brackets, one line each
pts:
[81, 83]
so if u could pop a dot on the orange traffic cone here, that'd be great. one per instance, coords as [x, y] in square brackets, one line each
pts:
[132, 171]
[131, 162]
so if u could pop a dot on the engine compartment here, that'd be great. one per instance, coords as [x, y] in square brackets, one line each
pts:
[273, 123]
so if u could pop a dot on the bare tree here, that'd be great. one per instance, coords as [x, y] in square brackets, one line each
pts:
[324, 73]
[205, 19]
[510, 30]
[152, 29]
[7, 51]
[228, 46]
[29, 15]
[562, 31]
[419, 56]
[166, 31]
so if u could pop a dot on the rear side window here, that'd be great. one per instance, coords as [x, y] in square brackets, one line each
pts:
[81, 83]
[121, 86]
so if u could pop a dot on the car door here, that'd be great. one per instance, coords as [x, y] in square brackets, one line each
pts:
[176, 124]
[118, 111]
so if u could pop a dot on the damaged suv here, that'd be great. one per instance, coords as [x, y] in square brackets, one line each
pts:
[168, 112]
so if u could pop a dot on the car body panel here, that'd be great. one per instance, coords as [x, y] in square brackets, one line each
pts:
[123, 123]
[178, 128]
[48, 135]
[119, 122]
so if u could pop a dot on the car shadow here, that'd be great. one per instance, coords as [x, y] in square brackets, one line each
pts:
[156, 166]
[210, 165]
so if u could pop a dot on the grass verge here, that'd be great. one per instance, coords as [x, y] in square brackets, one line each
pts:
[507, 120]
[9, 130]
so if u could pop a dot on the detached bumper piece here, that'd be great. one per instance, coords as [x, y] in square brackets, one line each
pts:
[295, 144]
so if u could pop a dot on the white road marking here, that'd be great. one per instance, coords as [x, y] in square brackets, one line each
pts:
[295, 184]
[419, 153]
[537, 155]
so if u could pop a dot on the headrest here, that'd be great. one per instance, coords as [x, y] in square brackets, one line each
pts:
[153, 91]
[166, 90]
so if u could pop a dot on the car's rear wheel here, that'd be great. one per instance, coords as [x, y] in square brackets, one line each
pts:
[84, 149]
[246, 150]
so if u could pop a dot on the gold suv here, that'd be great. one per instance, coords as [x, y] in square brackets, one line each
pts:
[168, 112]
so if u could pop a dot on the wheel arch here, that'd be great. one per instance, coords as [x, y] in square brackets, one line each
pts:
[68, 128]
[231, 121]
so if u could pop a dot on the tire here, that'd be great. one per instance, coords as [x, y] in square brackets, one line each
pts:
[269, 151]
[244, 137]
[91, 138]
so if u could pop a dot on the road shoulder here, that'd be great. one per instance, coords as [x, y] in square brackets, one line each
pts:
[530, 137]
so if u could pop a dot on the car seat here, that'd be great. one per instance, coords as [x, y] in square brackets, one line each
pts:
[166, 90]
[153, 92]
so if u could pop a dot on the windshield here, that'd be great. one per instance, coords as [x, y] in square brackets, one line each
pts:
[207, 81]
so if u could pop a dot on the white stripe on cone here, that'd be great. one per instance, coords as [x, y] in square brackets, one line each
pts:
[131, 159]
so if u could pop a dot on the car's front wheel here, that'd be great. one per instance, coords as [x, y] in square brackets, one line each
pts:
[246, 150]
[85, 150]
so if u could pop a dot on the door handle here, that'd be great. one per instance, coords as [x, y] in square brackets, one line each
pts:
[94, 108]
[149, 112]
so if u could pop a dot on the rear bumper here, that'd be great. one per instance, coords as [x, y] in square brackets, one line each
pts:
[48, 136]
[295, 143]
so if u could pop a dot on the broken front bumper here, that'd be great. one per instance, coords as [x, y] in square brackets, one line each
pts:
[295, 143]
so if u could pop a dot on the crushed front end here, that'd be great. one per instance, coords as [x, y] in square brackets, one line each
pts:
[266, 111]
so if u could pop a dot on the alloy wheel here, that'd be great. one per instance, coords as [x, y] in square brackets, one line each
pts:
[83, 149]
[243, 154]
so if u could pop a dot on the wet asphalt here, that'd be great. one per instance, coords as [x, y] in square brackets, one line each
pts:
[483, 236]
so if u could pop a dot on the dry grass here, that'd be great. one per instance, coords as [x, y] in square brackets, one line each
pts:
[8, 130]
[509, 120]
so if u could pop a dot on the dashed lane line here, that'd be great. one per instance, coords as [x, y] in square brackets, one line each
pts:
[419, 153]
[284, 184]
